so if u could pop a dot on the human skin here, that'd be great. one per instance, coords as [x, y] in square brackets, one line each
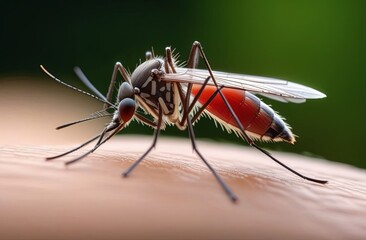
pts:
[171, 194]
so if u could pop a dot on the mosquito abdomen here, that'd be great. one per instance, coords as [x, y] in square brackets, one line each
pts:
[257, 118]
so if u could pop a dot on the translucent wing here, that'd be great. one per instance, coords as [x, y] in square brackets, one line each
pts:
[276, 89]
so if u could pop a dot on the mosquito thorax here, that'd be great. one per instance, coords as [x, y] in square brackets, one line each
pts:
[147, 78]
[145, 72]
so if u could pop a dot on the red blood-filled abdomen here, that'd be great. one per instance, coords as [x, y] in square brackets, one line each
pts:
[255, 116]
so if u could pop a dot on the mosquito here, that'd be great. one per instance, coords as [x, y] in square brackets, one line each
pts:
[161, 92]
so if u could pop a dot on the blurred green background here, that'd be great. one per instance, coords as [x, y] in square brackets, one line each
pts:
[317, 43]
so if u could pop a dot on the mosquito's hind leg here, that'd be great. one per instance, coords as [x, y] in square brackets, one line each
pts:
[197, 45]
[194, 56]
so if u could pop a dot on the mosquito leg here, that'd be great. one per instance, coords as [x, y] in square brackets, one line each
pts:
[117, 67]
[100, 142]
[193, 103]
[251, 143]
[203, 107]
[228, 191]
[192, 63]
[288, 168]
[145, 120]
[193, 56]
[169, 67]
[182, 96]
[169, 62]
[88, 152]
[182, 123]
[185, 101]
[156, 134]
[169, 59]
[246, 137]
[74, 149]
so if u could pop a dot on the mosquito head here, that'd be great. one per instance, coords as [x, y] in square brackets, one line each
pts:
[127, 103]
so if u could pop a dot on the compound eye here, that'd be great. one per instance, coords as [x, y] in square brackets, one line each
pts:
[125, 91]
[126, 109]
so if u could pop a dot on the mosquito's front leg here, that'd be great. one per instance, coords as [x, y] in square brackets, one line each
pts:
[117, 67]
[156, 134]
[100, 142]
